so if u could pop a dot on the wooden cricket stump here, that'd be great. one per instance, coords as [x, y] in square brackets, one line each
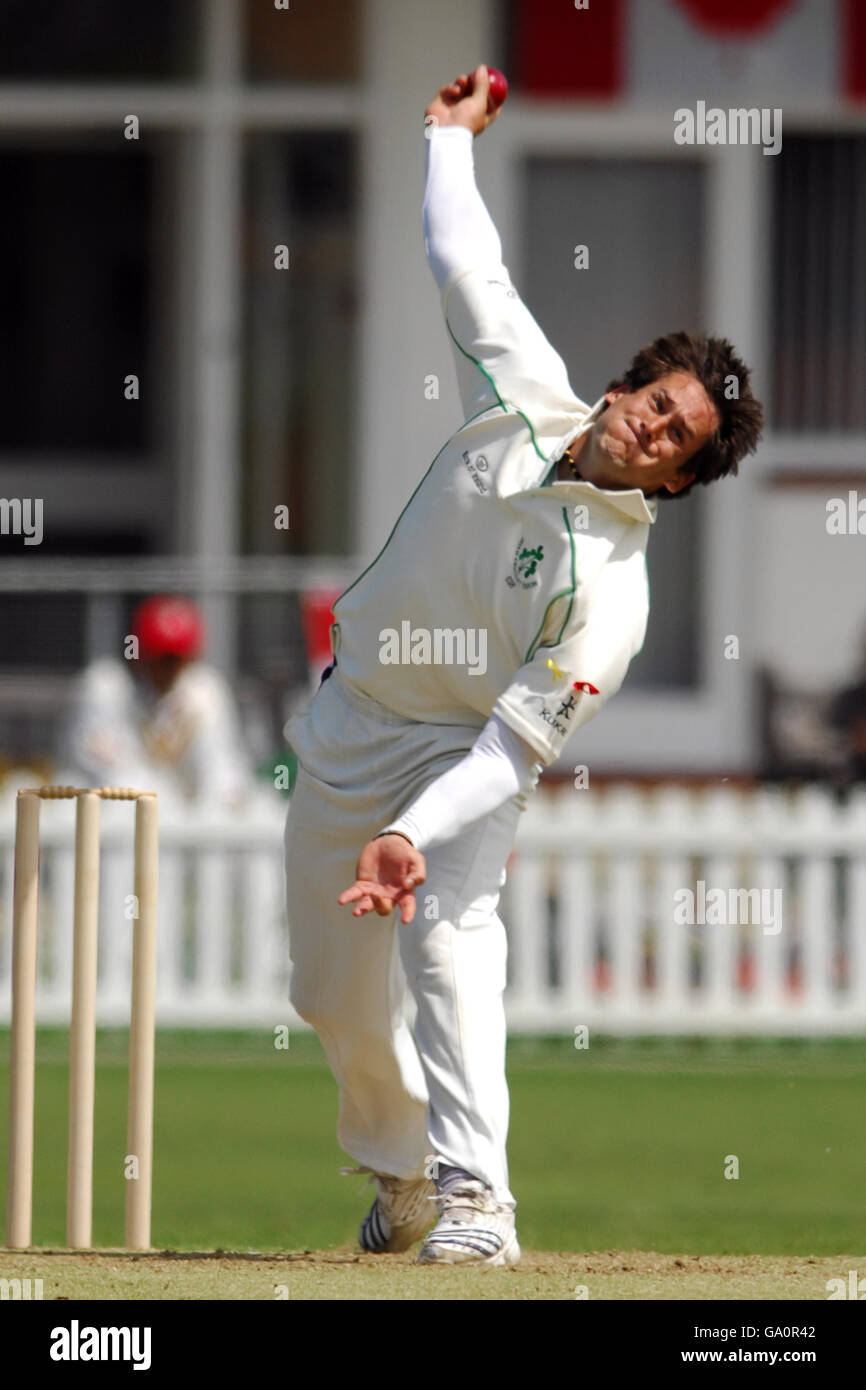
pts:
[82, 1029]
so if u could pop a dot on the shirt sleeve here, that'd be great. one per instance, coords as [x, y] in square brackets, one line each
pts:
[567, 679]
[458, 230]
[499, 765]
[501, 355]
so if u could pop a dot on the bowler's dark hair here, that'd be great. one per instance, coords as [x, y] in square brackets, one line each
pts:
[725, 378]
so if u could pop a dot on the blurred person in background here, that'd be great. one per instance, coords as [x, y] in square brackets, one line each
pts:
[848, 715]
[162, 719]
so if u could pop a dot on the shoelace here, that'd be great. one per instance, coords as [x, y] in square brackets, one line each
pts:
[474, 1195]
[356, 1173]
[388, 1181]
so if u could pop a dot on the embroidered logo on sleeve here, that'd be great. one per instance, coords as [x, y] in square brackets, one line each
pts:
[553, 717]
[559, 718]
[550, 719]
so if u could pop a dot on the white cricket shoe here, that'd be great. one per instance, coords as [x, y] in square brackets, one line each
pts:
[473, 1228]
[399, 1216]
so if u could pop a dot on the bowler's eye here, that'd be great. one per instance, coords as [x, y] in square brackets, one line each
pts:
[660, 402]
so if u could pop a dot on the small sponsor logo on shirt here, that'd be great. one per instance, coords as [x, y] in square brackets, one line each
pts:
[512, 293]
[567, 707]
[551, 720]
[586, 687]
[524, 566]
[479, 466]
[564, 711]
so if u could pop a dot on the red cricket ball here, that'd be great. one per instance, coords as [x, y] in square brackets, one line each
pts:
[498, 88]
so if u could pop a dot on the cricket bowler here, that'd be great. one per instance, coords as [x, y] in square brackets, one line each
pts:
[500, 616]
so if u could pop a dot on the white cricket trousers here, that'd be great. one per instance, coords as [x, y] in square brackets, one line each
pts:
[441, 1094]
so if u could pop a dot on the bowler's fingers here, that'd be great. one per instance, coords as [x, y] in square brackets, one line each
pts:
[374, 897]
[359, 895]
[370, 897]
[385, 905]
[455, 91]
[364, 887]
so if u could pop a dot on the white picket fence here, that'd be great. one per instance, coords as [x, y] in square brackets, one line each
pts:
[598, 935]
[590, 906]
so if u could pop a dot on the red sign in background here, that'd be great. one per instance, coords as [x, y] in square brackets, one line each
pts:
[560, 52]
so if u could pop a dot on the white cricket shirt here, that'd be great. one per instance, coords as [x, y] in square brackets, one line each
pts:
[496, 592]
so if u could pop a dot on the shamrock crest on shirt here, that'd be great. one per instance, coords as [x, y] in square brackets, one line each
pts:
[525, 563]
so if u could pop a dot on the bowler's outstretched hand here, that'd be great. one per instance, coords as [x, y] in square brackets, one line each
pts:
[387, 873]
[464, 102]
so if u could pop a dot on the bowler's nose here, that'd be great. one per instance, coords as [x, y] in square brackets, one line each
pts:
[650, 430]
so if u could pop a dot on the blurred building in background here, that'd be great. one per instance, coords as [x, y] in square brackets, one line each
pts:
[156, 158]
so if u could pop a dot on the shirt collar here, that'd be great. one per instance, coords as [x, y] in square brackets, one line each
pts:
[632, 501]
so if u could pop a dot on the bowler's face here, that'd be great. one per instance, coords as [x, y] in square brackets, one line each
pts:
[645, 437]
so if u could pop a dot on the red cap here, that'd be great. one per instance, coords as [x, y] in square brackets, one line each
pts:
[168, 626]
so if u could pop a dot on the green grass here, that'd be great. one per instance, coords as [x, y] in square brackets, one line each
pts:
[621, 1147]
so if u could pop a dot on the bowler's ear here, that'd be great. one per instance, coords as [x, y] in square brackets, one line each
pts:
[679, 482]
[610, 396]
